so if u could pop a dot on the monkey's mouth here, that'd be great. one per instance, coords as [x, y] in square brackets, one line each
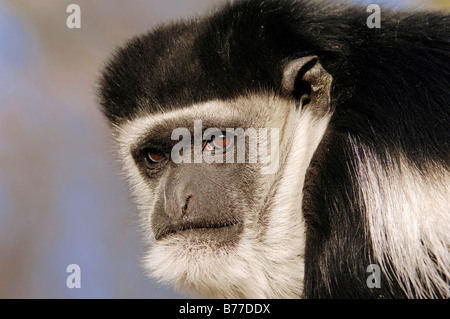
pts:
[218, 232]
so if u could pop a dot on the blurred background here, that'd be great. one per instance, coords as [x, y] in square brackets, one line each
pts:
[62, 200]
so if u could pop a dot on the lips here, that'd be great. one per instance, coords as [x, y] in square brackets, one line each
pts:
[223, 227]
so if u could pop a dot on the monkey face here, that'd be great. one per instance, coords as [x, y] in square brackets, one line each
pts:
[205, 183]
[217, 193]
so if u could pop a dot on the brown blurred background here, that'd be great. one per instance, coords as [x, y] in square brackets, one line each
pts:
[61, 198]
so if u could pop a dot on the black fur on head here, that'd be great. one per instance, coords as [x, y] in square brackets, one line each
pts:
[236, 51]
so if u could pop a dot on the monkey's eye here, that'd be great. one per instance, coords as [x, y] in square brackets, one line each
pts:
[220, 142]
[155, 157]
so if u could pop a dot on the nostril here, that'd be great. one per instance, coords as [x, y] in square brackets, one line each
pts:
[186, 204]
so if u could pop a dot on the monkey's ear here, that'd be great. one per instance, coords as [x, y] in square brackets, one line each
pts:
[306, 81]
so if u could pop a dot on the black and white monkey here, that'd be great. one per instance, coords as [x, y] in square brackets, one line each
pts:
[362, 152]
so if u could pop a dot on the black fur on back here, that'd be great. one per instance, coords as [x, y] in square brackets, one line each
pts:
[391, 90]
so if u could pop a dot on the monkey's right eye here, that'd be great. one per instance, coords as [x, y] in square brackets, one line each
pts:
[154, 157]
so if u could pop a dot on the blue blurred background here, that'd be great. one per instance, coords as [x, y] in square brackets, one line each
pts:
[62, 200]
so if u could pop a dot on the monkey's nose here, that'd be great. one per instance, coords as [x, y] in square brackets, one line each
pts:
[177, 202]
